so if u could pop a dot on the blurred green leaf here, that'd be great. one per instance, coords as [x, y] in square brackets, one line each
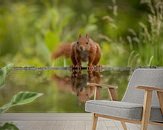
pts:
[5, 108]
[52, 39]
[20, 98]
[8, 126]
[3, 74]
[24, 98]
[42, 50]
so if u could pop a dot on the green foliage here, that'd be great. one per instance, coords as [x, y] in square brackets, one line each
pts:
[31, 31]
[114, 47]
[20, 98]
[8, 126]
[146, 45]
[42, 51]
[24, 98]
[27, 45]
[3, 74]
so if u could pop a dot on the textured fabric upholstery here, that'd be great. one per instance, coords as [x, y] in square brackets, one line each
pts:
[125, 110]
[143, 77]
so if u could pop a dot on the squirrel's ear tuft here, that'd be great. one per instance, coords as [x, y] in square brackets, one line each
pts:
[87, 36]
[80, 35]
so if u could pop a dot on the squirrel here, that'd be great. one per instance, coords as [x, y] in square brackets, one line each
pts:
[83, 50]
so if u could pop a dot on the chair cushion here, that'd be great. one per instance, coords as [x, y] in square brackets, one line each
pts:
[131, 111]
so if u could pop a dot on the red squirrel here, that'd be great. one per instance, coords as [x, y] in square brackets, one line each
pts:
[83, 50]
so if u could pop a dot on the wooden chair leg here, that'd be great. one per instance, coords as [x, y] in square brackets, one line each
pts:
[94, 124]
[146, 110]
[124, 125]
[160, 98]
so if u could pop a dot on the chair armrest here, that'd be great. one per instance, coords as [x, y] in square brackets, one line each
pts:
[102, 85]
[150, 88]
[112, 90]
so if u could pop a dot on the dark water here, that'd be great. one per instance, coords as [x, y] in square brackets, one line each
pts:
[64, 91]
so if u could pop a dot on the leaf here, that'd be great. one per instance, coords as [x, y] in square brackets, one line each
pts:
[5, 107]
[150, 61]
[3, 73]
[24, 98]
[20, 98]
[8, 126]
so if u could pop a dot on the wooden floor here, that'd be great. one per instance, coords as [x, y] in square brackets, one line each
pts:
[59, 121]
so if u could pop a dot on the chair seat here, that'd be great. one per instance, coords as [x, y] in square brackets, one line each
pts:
[131, 111]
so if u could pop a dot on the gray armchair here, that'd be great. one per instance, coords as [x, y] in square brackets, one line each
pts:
[141, 104]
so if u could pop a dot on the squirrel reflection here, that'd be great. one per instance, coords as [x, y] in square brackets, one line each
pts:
[77, 84]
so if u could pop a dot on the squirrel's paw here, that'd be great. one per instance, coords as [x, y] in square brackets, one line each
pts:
[94, 68]
[76, 67]
[90, 68]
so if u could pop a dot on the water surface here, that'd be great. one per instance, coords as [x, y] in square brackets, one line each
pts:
[64, 90]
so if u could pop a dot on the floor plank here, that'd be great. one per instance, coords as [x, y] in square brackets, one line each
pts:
[58, 121]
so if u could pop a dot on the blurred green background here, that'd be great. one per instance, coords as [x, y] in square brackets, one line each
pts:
[129, 32]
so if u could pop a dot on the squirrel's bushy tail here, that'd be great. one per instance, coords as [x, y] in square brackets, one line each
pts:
[63, 50]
